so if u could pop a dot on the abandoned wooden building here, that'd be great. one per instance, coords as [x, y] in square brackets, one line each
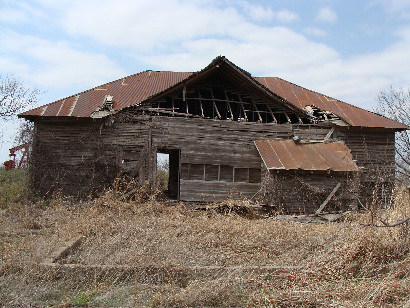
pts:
[224, 131]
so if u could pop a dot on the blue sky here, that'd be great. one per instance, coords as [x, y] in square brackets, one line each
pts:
[346, 49]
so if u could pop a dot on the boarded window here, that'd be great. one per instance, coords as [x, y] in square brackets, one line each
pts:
[254, 175]
[226, 173]
[241, 174]
[196, 172]
[185, 171]
[211, 172]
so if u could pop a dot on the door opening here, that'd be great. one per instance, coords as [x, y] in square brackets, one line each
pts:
[168, 166]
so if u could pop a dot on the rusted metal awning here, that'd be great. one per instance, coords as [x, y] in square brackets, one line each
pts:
[288, 155]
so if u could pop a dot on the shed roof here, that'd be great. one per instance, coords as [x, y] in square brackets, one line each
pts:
[135, 89]
[288, 155]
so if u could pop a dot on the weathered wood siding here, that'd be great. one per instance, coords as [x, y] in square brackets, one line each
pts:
[374, 152]
[217, 157]
[304, 192]
[69, 156]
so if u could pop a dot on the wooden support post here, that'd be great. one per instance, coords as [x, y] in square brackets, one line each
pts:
[244, 112]
[287, 117]
[328, 198]
[173, 105]
[184, 93]
[200, 104]
[329, 134]
[257, 111]
[229, 105]
[273, 116]
[217, 111]
[214, 105]
[151, 171]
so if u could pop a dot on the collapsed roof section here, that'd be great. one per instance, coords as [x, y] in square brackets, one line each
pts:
[151, 88]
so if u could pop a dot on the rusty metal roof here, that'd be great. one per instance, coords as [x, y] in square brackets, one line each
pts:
[288, 155]
[135, 89]
[301, 97]
[126, 92]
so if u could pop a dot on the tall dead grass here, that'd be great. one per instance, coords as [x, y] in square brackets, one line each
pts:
[344, 264]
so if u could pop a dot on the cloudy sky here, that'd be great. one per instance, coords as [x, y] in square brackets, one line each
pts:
[348, 49]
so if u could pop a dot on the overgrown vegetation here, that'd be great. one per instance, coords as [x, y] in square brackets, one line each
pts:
[13, 187]
[147, 253]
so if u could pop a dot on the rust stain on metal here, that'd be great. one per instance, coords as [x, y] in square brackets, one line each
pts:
[288, 155]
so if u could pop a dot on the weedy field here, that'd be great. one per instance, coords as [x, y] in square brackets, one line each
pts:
[151, 253]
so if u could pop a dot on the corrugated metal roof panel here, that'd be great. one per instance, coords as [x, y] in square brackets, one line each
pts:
[134, 89]
[270, 157]
[67, 106]
[53, 109]
[288, 155]
[301, 97]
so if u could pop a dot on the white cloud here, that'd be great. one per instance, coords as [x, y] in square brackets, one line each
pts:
[8, 15]
[286, 16]
[357, 80]
[55, 64]
[148, 26]
[19, 13]
[314, 31]
[256, 50]
[395, 6]
[258, 12]
[145, 25]
[187, 35]
[326, 14]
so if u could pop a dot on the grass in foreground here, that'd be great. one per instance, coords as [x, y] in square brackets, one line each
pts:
[324, 265]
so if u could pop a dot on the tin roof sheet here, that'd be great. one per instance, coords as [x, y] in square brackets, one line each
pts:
[301, 97]
[128, 91]
[288, 155]
[134, 89]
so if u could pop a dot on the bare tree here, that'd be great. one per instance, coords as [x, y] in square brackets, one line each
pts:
[395, 104]
[15, 96]
[24, 133]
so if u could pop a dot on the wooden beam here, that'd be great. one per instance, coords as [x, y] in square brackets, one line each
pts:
[257, 111]
[329, 134]
[200, 104]
[322, 206]
[287, 117]
[173, 105]
[171, 112]
[215, 108]
[273, 116]
[229, 105]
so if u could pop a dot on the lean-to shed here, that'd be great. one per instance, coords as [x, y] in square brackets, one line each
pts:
[224, 130]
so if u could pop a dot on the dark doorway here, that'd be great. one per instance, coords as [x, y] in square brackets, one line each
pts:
[168, 166]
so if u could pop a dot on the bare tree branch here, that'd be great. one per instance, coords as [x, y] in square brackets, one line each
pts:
[395, 104]
[15, 96]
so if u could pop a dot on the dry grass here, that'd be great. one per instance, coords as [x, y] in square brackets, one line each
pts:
[323, 265]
